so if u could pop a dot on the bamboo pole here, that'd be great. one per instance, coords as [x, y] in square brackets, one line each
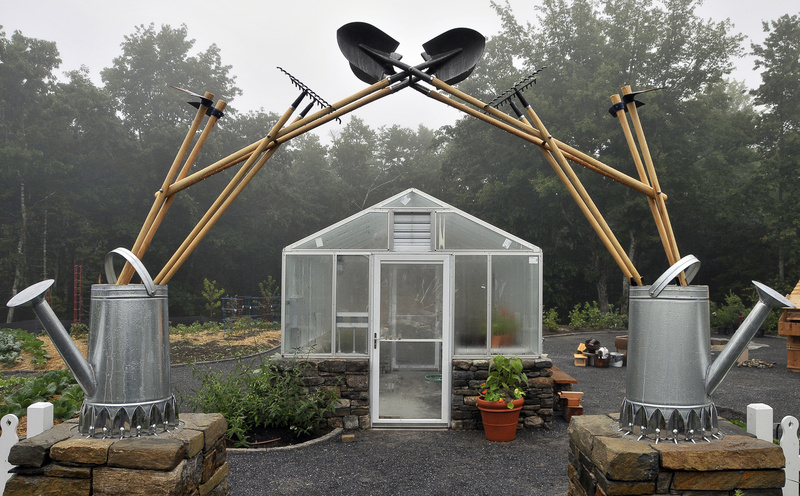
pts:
[220, 106]
[626, 130]
[127, 271]
[507, 123]
[569, 151]
[648, 160]
[595, 217]
[223, 201]
[292, 131]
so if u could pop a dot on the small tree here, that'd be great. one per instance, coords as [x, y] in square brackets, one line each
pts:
[211, 296]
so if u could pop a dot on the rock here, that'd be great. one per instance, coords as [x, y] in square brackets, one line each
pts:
[625, 459]
[212, 424]
[82, 450]
[33, 452]
[146, 453]
[215, 480]
[25, 486]
[193, 440]
[358, 382]
[730, 453]
[533, 422]
[583, 429]
[350, 422]
[337, 365]
[111, 481]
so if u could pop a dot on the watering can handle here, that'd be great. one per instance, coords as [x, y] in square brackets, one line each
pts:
[149, 286]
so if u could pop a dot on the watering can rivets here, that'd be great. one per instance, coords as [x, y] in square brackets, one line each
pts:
[105, 432]
[121, 432]
[138, 430]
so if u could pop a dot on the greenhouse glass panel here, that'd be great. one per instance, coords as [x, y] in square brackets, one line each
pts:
[352, 304]
[412, 200]
[456, 232]
[367, 232]
[308, 310]
[469, 324]
[515, 320]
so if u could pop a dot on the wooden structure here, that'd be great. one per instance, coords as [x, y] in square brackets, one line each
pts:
[789, 326]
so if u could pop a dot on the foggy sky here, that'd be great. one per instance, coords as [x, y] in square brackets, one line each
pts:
[300, 36]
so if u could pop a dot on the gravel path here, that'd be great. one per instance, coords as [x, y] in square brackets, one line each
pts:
[435, 462]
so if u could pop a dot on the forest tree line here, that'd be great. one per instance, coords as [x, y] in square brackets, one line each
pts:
[79, 163]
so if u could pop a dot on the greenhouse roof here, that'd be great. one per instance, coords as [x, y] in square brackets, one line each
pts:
[412, 221]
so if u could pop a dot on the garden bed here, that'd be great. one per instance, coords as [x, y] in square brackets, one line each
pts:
[185, 347]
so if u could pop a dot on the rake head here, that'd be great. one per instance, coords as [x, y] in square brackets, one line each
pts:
[303, 87]
[519, 86]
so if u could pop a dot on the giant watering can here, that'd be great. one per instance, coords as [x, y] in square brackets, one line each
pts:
[126, 379]
[670, 375]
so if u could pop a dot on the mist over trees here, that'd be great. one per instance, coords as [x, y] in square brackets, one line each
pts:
[79, 164]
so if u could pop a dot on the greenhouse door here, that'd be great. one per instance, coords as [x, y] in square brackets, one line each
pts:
[410, 362]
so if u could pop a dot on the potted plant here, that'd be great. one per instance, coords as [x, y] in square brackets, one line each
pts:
[501, 398]
[504, 327]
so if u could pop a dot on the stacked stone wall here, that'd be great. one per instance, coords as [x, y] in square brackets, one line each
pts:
[602, 461]
[189, 460]
[349, 377]
[469, 374]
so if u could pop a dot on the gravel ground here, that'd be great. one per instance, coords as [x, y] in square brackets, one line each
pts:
[435, 462]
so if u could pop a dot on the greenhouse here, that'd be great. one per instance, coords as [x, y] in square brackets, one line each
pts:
[408, 286]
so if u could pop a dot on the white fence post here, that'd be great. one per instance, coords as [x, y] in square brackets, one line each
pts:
[8, 439]
[759, 421]
[791, 451]
[40, 418]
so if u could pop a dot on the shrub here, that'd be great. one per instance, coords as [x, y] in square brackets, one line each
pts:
[726, 316]
[589, 315]
[550, 320]
[273, 395]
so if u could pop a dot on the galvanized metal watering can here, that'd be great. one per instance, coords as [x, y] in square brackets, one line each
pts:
[126, 379]
[670, 375]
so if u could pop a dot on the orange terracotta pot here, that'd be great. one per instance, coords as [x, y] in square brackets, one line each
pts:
[499, 421]
[503, 340]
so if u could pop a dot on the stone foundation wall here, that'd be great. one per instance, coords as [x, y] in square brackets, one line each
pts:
[189, 460]
[350, 377]
[604, 462]
[538, 408]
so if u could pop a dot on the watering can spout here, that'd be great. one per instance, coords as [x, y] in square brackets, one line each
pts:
[78, 365]
[768, 299]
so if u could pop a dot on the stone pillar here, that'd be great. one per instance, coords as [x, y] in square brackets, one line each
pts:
[188, 460]
[604, 462]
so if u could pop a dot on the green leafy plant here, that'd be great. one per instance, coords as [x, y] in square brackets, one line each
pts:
[56, 386]
[726, 316]
[273, 395]
[269, 288]
[503, 322]
[506, 380]
[13, 342]
[589, 316]
[211, 296]
[550, 320]
[78, 330]
[9, 349]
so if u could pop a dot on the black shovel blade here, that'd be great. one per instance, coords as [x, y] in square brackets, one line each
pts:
[365, 66]
[455, 69]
